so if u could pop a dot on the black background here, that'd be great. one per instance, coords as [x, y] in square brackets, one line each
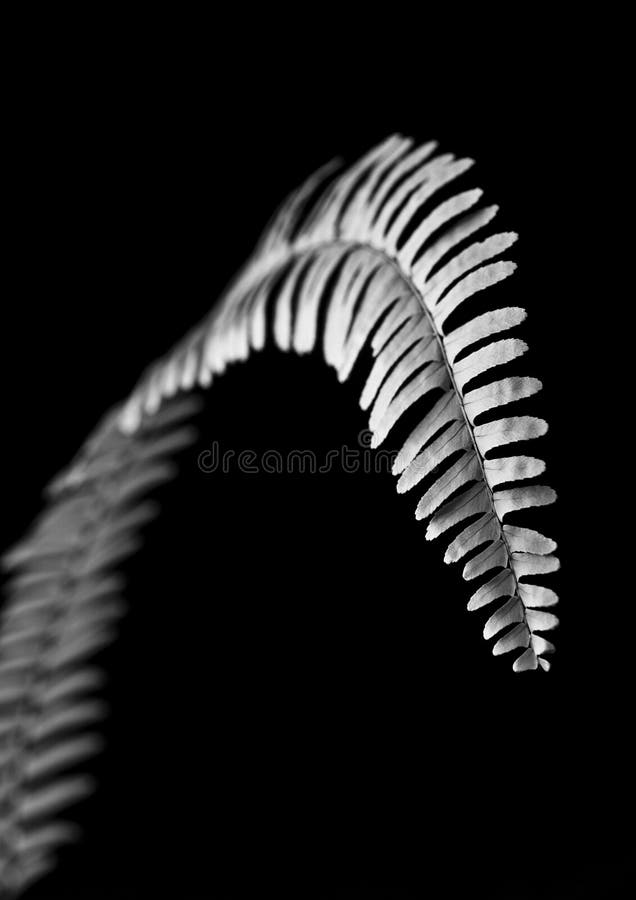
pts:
[301, 704]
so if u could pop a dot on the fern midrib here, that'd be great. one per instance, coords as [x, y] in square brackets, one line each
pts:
[392, 261]
[449, 368]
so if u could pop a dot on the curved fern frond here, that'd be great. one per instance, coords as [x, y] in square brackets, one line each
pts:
[396, 285]
[363, 258]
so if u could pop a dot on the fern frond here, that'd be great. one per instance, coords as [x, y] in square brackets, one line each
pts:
[391, 292]
[391, 277]
[63, 604]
